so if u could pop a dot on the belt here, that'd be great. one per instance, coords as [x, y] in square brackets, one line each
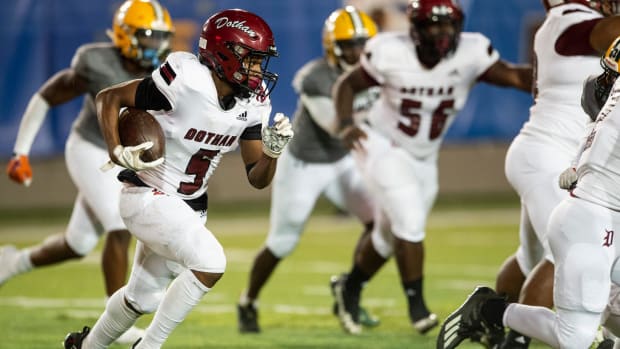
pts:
[200, 203]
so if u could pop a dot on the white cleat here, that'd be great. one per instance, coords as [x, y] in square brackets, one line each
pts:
[8, 260]
[131, 336]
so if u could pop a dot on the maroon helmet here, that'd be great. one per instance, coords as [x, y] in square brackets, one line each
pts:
[230, 41]
[606, 7]
[433, 46]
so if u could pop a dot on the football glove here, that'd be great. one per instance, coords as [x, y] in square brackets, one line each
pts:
[277, 136]
[568, 178]
[129, 157]
[19, 170]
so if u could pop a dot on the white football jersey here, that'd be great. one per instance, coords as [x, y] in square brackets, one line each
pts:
[557, 114]
[198, 131]
[417, 104]
[599, 164]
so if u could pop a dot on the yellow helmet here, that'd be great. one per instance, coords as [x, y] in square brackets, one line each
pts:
[610, 61]
[142, 30]
[345, 25]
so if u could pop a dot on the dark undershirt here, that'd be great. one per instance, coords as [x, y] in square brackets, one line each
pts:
[575, 40]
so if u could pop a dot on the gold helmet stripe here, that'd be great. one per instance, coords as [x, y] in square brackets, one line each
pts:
[356, 20]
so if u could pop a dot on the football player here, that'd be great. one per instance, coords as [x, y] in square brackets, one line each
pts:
[580, 236]
[315, 161]
[425, 76]
[140, 35]
[209, 104]
[567, 46]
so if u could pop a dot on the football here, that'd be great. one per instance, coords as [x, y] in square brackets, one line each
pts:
[136, 126]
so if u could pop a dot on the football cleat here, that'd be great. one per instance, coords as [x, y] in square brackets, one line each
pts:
[130, 336]
[425, 324]
[467, 321]
[606, 344]
[347, 306]
[366, 318]
[247, 318]
[74, 339]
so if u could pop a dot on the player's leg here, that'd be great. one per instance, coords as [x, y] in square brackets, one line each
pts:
[101, 193]
[407, 200]
[348, 192]
[295, 190]
[79, 239]
[533, 168]
[177, 233]
[577, 233]
[150, 276]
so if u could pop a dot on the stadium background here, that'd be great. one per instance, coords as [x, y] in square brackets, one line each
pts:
[40, 37]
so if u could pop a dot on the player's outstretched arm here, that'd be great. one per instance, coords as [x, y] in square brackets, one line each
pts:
[60, 88]
[506, 74]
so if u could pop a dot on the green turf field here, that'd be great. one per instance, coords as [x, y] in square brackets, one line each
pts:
[465, 246]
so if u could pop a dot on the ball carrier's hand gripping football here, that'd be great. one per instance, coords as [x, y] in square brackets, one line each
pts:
[276, 136]
[142, 141]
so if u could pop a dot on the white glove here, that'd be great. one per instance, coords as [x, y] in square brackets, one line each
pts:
[568, 178]
[129, 157]
[276, 137]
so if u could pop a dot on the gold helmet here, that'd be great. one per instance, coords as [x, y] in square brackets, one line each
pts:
[345, 26]
[142, 30]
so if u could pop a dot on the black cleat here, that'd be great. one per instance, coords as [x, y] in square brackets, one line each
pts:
[347, 304]
[467, 321]
[74, 339]
[247, 318]
[366, 319]
[606, 344]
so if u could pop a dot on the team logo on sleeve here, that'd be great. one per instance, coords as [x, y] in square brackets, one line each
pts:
[167, 73]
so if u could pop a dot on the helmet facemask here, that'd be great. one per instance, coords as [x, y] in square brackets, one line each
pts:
[348, 52]
[435, 38]
[252, 76]
[150, 46]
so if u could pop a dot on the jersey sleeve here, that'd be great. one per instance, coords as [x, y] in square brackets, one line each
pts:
[88, 63]
[373, 60]
[482, 53]
[311, 80]
[168, 78]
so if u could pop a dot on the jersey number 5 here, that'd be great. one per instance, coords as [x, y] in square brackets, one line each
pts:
[198, 166]
[409, 108]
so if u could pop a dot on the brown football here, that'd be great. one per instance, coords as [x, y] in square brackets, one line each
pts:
[136, 126]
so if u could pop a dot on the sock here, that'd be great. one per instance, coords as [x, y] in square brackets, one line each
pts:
[493, 311]
[114, 321]
[244, 301]
[23, 263]
[356, 279]
[413, 291]
[181, 297]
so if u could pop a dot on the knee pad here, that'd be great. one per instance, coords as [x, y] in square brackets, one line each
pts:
[214, 261]
[82, 242]
[582, 279]
[382, 244]
[146, 302]
[282, 245]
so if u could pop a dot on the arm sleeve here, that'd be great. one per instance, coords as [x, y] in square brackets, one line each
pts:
[149, 97]
[322, 111]
[251, 133]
